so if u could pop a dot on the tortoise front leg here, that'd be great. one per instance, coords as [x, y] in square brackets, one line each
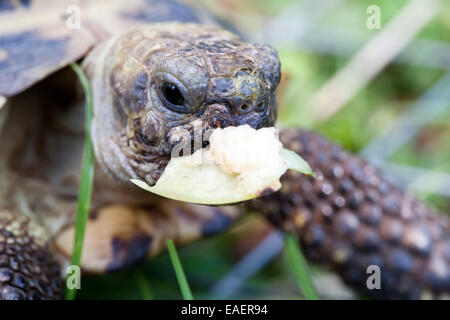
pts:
[350, 217]
[118, 236]
[28, 269]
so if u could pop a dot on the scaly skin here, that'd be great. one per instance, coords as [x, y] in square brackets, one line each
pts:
[350, 217]
[27, 267]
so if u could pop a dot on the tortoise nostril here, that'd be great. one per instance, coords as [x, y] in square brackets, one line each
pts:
[242, 108]
[260, 107]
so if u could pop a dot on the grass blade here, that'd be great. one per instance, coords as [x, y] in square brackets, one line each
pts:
[87, 178]
[299, 267]
[181, 277]
[143, 285]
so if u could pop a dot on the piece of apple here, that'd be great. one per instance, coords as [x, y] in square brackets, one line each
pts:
[240, 163]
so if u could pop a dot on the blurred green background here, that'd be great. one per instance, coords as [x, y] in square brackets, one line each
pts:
[333, 32]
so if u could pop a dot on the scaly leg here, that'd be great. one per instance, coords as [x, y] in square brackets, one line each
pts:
[28, 269]
[350, 217]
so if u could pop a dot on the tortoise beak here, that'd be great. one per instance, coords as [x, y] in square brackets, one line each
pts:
[216, 115]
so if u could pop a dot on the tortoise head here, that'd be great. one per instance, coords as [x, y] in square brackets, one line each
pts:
[159, 91]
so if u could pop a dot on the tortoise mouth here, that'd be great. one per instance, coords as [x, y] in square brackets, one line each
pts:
[188, 138]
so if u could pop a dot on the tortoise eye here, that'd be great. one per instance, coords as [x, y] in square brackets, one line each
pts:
[172, 94]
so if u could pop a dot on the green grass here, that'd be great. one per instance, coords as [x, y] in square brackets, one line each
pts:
[87, 178]
[299, 267]
[143, 284]
[181, 277]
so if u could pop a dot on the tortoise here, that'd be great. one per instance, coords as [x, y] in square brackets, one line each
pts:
[157, 66]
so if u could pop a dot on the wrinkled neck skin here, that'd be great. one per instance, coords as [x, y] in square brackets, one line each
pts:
[133, 130]
[109, 137]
